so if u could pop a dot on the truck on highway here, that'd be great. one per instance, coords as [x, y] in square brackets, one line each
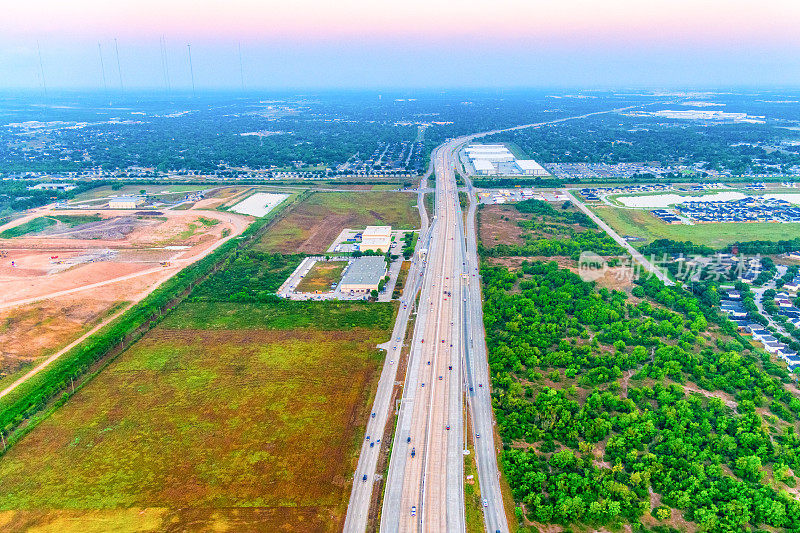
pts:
[413, 452]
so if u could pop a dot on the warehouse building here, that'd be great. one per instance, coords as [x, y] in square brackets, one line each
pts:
[529, 167]
[125, 202]
[363, 274]
[494, 153]
[497, 160]
[484, 168]
[376, 238]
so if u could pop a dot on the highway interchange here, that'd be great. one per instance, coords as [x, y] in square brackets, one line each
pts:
[447, 366]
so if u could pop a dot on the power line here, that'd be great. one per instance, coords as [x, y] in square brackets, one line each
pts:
[41, 68]
[165, 63]
[102, 67]
[191, 68]
[119, 68]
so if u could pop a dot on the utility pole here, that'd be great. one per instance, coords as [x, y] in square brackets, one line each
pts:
[191, 68]
[119, 68]
[165, 63]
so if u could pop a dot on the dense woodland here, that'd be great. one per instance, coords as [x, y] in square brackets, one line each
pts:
[641, 406]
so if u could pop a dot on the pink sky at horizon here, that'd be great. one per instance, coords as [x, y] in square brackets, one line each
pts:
[655, 22]
[410, 42]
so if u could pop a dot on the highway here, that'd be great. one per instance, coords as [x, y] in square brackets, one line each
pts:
[361, 493]
[425, 491]
[447, 366]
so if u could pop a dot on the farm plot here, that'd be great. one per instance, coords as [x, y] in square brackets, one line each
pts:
[248, 423]
[311, 226]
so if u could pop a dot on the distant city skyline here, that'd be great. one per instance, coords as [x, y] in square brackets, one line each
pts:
[414, 44]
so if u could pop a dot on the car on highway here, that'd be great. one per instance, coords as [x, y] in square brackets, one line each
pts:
[477, 435]
[364, 478]
[447, 427]
[485, 503]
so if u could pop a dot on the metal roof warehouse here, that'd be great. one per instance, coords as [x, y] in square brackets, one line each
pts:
[363, 274]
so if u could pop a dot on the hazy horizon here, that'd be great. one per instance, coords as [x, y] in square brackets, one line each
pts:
[358, 44]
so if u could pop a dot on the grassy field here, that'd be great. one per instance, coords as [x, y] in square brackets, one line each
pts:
[311, 226]
[32, 226]
[640, 223]
[106, 190]
[321, 276]
[238, 417]
[282, 314]
[41, 223]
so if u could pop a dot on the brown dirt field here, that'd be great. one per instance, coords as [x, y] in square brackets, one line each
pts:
[493, 229]
[617, 278]
[312, 225]
[514, 263]
[30, 332]
[35, 274]
[26, 286]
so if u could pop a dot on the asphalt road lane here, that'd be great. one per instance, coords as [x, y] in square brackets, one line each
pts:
[431, 483]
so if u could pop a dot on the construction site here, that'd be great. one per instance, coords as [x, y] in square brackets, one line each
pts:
[65, 272]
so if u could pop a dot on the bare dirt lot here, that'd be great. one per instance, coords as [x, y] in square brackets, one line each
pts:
[498, 224]
[312, 225]
[56, 284]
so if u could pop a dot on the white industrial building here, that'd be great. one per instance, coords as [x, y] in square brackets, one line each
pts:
[497, 160]
[125, 202]
[529, 167]
[376, 238]
[483, 168]
[489, 152]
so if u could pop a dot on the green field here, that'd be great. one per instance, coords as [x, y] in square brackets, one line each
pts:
[313, 224]
[640, 223]
[41, 223]
[106, 190]
[32, 226]
[321, 276]
[224, 417]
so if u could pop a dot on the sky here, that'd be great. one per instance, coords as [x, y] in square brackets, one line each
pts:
[403, 44]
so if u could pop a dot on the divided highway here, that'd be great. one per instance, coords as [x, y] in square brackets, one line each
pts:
[447, 366]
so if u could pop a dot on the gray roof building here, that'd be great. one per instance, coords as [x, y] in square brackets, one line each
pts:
[363, 274]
